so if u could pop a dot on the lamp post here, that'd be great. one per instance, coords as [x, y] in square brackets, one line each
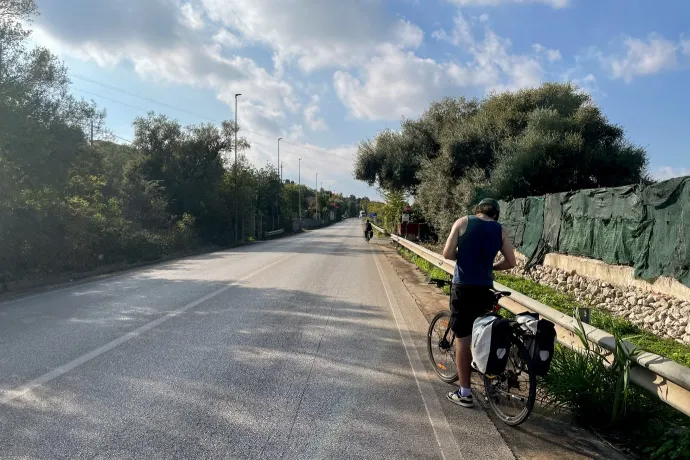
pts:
[235, 167]
[281, 169]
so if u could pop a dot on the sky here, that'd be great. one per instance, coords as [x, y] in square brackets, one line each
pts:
[326, 74]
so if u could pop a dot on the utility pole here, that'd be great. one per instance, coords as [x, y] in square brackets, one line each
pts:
[235, 167]
[280, 185]
[281, 168]
[299, 189]
[316, 186]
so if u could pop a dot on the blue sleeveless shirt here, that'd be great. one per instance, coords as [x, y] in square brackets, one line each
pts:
[477, 249]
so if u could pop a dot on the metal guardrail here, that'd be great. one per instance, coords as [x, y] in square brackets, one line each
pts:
[667, 379]
[275, 232]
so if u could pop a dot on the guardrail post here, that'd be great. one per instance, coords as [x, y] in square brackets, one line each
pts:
[584, 314]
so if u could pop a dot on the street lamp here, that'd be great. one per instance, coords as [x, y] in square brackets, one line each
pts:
[281, 169]
[236, 129]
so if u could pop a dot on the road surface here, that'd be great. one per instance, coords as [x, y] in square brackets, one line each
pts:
[306, 347]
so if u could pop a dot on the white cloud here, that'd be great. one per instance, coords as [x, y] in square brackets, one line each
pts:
[227, 39]
[461, 34]
[551, 3]
[552, 55]
[495, 67]
[588, 83]
[396, 82]
[669, 172]
[408, 34]
[316, 35]
[315, 122]
[484, 18]
[642, 57]
[191, 17]
[685, 47]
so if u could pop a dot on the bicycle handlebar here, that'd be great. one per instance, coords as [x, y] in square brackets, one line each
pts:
[441, 283]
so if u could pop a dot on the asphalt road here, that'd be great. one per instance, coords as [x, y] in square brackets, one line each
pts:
[306, 347]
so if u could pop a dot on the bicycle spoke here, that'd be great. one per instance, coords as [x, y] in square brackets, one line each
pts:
[511, 394]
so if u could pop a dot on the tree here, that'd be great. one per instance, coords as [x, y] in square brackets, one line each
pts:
[393, 159]
[513, 144]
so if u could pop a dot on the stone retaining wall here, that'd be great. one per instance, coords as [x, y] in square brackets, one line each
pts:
[663, 315]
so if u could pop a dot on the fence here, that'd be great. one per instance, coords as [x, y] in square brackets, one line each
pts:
[667, 379]
[646, 227]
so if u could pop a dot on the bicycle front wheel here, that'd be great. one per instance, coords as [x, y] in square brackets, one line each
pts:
[442, 352]
[514, 407]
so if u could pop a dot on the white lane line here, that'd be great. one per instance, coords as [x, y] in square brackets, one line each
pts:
[57, 372]
[450, 450]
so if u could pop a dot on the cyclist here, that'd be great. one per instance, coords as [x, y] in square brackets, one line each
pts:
[367, 229]
[474, 242]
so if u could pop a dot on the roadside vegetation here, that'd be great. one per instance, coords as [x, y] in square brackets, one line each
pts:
[73, 196]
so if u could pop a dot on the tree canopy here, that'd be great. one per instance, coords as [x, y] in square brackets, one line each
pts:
[513, 144]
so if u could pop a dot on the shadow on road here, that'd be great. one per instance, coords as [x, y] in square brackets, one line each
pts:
[252, 373]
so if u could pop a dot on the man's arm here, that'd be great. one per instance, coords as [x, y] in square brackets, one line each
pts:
[508, 252]
[451, 248]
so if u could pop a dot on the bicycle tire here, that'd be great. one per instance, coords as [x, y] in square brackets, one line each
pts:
[531, 395]
[439, 368]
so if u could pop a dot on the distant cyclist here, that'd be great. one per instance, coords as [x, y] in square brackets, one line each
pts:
[367, 229]
[473, 243]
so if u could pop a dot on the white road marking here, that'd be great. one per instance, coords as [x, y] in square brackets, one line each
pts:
[450, 450]
[57, 372]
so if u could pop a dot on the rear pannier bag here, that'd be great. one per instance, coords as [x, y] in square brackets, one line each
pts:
[540, 343]
[490, 344]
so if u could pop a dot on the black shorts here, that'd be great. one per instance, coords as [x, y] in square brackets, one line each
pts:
[467, 303]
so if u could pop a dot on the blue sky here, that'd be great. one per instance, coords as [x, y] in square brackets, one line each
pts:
[326, 74]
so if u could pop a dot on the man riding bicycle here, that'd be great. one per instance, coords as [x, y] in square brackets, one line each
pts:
[367, 229]
[473, 243]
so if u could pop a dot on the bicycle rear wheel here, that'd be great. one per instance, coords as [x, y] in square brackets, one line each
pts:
[442, 355]
[518, 376]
